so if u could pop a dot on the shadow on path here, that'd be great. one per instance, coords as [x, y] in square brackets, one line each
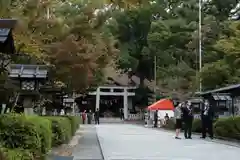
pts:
[88, 147]
[60, 157]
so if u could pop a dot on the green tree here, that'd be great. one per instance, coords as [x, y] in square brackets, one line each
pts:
[45, 30]
[225, 71]
[169, 31]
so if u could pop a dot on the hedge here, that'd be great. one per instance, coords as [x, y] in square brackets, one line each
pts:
[61, 129]
[223, 127]
[15, 154]
[19, 132]
[44, 128]
[228, 127]
[75, 121]
[34, 136]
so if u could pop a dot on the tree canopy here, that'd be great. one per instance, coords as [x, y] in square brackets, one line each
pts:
[79, 38]
[169, 30]
[66, 35]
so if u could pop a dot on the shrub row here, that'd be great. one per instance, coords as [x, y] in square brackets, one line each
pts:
[34, 136]
[15, 154]
[223, 127]
[228, 127]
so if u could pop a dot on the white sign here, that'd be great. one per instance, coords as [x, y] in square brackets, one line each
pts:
[197, 116]
[3, 108]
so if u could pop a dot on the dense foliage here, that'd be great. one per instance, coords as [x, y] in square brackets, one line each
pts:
[169, 31]
[66, 35]
[224, 128]
[77, 38]
[34, 136]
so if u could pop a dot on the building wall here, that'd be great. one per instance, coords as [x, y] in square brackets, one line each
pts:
[236, 104]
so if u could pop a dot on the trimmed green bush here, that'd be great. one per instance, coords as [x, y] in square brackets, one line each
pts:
[227, 127]
[15, 154]
[75, 121]
[223, 127]
[197, 126]
[29, 137]
[170, 124]
[16, 131]
[237, 124]
[44, 129]
[61, 129]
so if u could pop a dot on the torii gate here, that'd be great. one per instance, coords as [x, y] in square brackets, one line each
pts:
[126, 92]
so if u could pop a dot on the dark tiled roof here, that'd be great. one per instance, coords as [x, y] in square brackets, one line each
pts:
[8, 23]
[6, 38]
[220, 89]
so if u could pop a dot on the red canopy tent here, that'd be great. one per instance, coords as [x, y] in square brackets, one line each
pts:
[163, 104]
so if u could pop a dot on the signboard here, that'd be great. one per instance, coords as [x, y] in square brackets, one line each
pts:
[197, 116]
[3, 108]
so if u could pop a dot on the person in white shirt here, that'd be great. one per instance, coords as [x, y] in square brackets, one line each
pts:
[178, 118]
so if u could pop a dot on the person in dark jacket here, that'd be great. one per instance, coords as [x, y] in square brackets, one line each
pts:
[155, 119]
[96, 116]
[188, 119]
[207, 116]
[121, 114]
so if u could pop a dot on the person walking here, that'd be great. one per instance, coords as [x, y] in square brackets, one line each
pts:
[155, 119]
[96, 116]
[188, 120]
[83, 116]
[207, 116]
[121, 114]
[178, 118]
[89, 117]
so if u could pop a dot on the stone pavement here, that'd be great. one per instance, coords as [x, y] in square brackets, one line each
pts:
[88, 147]
[133, 142]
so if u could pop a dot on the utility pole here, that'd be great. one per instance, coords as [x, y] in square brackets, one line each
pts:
[48, 13]
[200, 40]
[155, 78]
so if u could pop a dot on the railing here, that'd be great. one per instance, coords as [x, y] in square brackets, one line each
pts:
[137, 116]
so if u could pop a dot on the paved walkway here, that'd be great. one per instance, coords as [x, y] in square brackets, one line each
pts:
[132, 142]
[88, 147]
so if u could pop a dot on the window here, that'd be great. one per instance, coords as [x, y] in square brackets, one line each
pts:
[196, 107]
[224, 107]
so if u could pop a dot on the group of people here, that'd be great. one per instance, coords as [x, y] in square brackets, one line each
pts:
[89, 116]
[184, 114]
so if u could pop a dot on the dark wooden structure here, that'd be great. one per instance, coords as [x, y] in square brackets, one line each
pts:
[197, 104]
[225, 100]
[86, 102]
[54, 96]
[6, 37]
[7, 48]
